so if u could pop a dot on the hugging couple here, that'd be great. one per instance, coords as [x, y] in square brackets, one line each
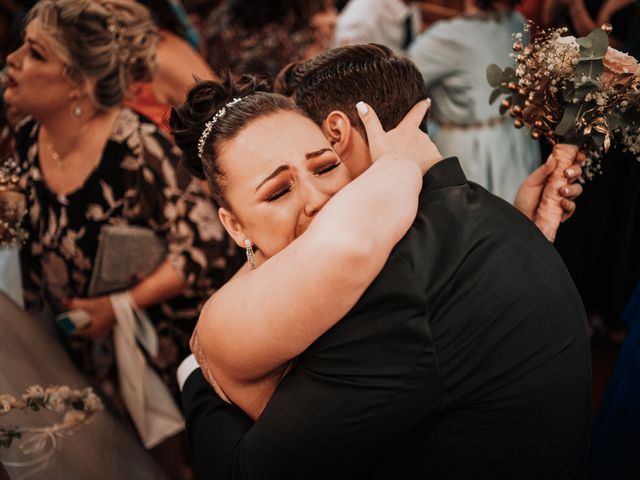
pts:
[393, 319]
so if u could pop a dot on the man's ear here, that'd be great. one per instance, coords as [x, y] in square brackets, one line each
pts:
[338, 130]
[232, 225]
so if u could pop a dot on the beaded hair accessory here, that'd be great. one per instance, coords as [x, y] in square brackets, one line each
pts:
[124, 53]
[209, 125]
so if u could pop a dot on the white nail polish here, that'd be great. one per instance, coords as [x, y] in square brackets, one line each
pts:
[362, 107]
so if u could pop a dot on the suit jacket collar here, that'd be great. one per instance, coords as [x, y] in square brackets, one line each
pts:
[445, 173]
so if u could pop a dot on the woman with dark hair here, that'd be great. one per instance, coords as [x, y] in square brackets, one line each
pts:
[257, 37]
[272, 172]
[452, 56]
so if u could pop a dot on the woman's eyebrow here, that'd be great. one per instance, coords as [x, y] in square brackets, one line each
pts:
[317, 153]
[35, 43]
[275, 173]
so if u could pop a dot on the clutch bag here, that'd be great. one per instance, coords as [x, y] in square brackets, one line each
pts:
[125, 253]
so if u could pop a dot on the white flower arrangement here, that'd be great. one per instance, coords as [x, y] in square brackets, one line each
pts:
[78, 407]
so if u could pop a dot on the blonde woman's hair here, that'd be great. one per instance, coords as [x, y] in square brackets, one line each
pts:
[112, 42]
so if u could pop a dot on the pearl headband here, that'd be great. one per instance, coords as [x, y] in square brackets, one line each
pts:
[209, 125]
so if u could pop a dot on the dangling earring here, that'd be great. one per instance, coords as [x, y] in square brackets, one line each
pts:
[251, 258]
[76, 109]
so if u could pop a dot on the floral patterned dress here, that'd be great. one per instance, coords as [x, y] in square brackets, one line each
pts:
[135, 183]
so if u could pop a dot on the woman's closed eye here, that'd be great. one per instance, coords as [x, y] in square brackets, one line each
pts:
[326, 168]
[279, 192]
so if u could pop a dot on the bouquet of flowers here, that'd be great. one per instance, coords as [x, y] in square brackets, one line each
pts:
[578, 93]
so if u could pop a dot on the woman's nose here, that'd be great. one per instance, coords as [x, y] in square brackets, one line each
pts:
[314, 199]
[13, 58]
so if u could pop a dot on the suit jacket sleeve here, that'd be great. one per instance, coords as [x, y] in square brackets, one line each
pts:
[358, 390]
[214, 428]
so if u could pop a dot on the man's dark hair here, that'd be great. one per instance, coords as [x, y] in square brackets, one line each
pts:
[339, 78]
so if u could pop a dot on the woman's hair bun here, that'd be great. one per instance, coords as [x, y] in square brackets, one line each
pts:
[204, 99]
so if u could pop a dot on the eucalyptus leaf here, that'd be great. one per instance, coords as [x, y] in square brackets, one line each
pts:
[600, 41]
[585, 42]
[567, 124]
[509, 74]
[494, 75]
[589, 69]
[494, 95]
[590, 85]
[615, 121]
[589, 57]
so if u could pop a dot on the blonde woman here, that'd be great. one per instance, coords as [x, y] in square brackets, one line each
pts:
[89, 162]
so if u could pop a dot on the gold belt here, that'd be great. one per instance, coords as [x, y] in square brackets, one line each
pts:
[491, 122]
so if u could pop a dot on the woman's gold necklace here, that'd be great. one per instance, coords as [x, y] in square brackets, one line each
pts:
[59, 159]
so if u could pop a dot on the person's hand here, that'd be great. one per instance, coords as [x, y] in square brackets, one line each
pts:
[101, 312]
[405, 141]
[528, 197]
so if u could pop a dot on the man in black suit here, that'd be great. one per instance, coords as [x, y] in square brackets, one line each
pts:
[467, 357]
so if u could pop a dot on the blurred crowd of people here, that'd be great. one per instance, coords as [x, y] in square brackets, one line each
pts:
[88, 89]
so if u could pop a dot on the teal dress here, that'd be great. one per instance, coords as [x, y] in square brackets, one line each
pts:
[452, 56]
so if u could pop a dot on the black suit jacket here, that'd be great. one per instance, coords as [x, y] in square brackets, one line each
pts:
[467, 356]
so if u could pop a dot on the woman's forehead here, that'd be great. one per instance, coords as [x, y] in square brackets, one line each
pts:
[277, 136]
[283, 138]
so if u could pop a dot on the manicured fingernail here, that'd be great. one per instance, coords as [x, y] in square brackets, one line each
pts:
[428, 102]
[570, 172]
[362, 108]
[565, 190]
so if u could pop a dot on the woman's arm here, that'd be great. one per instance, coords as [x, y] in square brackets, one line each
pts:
[263, 318]
[162, 284]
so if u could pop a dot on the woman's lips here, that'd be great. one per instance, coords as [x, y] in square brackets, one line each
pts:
[10, 82]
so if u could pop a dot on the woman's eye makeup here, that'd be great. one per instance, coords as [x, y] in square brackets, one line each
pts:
[278, 192]
[326, 168]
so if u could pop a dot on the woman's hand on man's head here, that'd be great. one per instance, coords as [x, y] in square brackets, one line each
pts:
[405, 141]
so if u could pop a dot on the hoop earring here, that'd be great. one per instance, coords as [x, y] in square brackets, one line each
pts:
[251, 258]
[76, 109]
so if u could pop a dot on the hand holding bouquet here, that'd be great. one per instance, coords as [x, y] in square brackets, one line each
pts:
[578, 93]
